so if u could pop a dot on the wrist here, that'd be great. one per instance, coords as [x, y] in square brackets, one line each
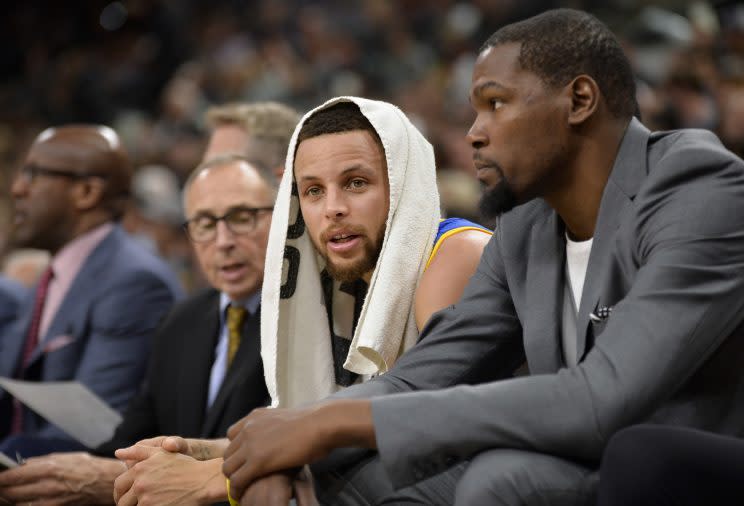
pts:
[102, 488]
[214, 489]
[347, 423]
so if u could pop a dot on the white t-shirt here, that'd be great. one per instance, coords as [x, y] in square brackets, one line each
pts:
[577, 259]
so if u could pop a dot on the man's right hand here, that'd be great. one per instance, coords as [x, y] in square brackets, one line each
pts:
[274, 440]
[61, 479]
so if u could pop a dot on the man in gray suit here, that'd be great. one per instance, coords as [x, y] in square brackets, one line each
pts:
[617, 276]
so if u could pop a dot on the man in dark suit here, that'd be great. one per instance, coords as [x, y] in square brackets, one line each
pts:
[95, 308]
[189, 389]
[618, 277]
[228, 202]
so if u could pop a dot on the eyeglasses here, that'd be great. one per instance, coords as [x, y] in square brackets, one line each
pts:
[31, 171]
[240, 221]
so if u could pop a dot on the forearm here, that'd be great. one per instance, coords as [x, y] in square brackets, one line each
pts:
[207, 449]
[347, 423]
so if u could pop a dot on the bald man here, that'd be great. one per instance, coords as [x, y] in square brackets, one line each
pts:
[95, 309]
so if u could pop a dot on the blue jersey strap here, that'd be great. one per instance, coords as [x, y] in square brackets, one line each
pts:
[450, 227]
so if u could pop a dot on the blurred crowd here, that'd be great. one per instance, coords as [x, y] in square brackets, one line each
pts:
[150, 69]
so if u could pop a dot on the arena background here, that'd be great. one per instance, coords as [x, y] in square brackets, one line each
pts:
[151, 68]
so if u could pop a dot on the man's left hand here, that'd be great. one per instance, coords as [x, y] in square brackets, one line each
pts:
[167, 478]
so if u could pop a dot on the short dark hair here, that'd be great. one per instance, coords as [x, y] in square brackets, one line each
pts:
[338, 118]
[560, 44]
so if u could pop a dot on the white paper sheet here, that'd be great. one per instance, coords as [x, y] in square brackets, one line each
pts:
[6, 462]
[70, 406]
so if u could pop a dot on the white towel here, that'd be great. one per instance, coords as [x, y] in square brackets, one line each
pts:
[295, 336]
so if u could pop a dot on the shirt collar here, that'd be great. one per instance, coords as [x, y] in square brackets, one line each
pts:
[251, 303]
[68, 261]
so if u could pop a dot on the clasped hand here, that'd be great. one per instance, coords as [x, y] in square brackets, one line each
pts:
[269, 446]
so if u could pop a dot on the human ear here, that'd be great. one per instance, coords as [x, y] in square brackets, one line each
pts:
[89, 193]
[584, 99]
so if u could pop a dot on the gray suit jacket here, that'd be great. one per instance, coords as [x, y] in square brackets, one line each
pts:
[667, 256]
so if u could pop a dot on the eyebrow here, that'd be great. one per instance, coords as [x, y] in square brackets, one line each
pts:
[352, 168]
[206, 212]
[483, 87]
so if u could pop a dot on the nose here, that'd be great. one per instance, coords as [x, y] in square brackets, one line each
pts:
[335, 204]
[20, 185]
[225, 238]
[477, 136]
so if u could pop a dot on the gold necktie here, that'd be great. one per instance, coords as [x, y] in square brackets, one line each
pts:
[235, 319]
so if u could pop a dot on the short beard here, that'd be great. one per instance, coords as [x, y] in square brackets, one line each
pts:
[358, 268]
[497, 200]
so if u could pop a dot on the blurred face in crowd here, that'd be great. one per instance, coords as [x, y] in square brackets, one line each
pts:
[519, 142]
[234, 139]
[344, 196]
[225, 139]
[233, 259]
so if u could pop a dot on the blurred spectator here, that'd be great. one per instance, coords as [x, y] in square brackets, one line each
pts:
[153, 68]
[732, 115]
[155, 220]
[259, 131]
[25, 265]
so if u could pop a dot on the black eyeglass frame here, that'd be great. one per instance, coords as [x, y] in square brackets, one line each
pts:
[225, 217]
[30, 172]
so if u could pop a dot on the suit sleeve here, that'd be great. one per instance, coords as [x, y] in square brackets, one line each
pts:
[122, 324]
[685, 300]
[140, 418]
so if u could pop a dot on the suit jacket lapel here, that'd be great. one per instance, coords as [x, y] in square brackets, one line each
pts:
[627, 175]
[71, 313]
[246, 361]
[200, 339]
[544, 295]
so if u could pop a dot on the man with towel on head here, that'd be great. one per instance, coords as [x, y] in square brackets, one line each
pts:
[358, 223]
[358, 258]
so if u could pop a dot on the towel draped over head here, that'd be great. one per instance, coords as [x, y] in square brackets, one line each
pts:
[297, 346]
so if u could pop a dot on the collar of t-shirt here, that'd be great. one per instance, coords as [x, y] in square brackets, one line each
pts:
[577, 260]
